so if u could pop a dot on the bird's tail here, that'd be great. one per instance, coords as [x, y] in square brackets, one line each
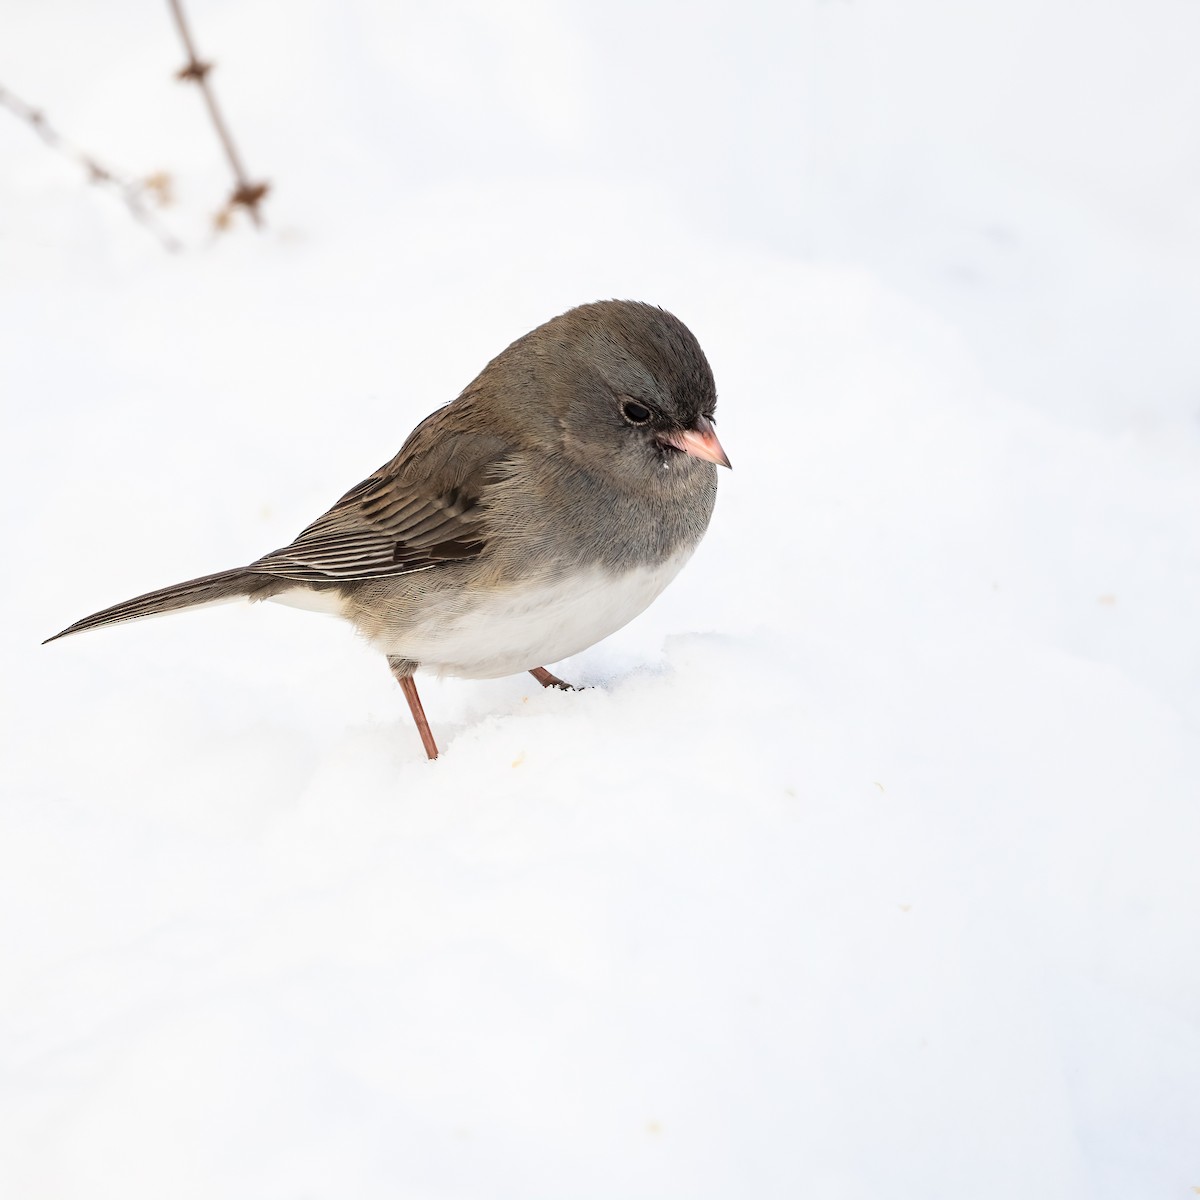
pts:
[208, 589]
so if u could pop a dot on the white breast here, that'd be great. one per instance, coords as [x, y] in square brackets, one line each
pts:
[522, 627]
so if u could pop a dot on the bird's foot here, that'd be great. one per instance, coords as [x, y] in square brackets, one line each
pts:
[547, 680]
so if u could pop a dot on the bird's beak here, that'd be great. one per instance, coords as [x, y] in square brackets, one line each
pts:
[700, 442]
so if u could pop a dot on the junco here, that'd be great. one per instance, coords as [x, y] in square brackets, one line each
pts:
[534, 515]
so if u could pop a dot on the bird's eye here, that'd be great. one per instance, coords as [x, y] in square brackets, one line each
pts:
[635, 413]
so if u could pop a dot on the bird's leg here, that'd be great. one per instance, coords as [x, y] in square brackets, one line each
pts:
[547, 680]
[408, 685]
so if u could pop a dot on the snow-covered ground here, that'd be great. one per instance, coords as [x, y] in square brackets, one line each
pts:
[870, 863]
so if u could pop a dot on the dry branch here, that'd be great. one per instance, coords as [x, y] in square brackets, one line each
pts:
[245, 194]
[130, 190]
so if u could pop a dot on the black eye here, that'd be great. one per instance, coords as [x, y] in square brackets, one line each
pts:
[635, 413]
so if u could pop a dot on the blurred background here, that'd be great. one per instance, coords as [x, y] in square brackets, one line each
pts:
[867, 865]
[1028, 170]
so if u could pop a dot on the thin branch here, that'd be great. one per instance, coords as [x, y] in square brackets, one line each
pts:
[245, 195]
[129, 189]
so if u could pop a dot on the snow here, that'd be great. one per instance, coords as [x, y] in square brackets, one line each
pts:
[867, 863]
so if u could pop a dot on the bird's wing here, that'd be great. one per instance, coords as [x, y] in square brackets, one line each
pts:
[421, 510]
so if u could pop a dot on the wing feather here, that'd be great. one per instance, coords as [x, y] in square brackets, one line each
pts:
[423, 509]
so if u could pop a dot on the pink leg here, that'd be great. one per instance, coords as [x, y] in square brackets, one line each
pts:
[409, 687]
[546, 679]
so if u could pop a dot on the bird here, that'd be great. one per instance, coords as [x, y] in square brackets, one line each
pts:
[535, 514]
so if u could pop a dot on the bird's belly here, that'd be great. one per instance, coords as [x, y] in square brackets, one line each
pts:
[525, 626]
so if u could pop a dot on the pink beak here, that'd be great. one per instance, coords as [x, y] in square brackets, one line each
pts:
[699, 441]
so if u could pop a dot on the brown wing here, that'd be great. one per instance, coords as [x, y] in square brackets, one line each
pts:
[419, 511]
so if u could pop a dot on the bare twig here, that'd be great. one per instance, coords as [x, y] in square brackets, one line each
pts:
[245, 194]
[132, 191]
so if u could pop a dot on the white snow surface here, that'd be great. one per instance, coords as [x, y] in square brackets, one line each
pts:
[869, 863]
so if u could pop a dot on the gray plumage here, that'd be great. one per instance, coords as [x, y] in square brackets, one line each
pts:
[555, 496]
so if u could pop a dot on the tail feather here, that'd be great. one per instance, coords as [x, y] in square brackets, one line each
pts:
[208, 589]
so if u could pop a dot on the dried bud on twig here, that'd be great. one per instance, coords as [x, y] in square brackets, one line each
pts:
[194, 70]
[160, 186]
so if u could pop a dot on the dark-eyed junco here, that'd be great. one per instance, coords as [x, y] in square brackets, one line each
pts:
[534, 515]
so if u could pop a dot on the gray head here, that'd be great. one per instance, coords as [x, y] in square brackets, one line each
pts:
[618, 387]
